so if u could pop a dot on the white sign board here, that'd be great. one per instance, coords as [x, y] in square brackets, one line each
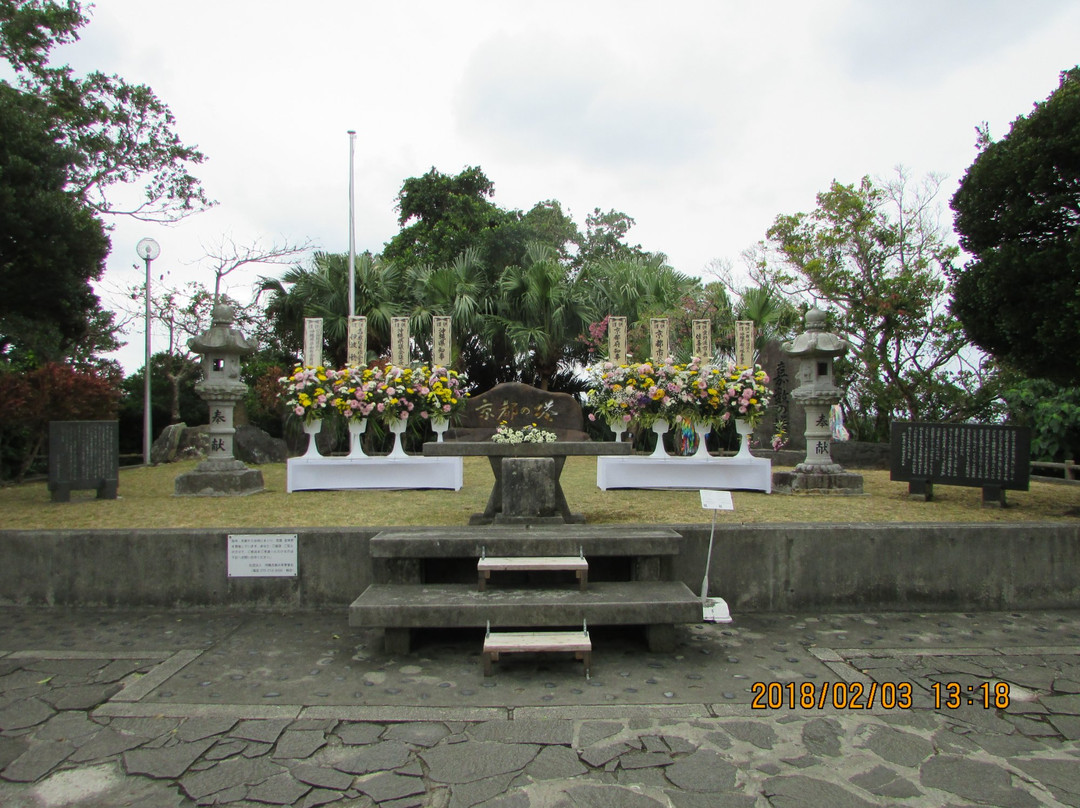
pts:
[357, 352]
[313, 339]
[262, 555]
[716, 500]
[441, 348]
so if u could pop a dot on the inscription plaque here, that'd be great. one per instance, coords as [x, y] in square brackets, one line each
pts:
[992, 457]
[262, 555]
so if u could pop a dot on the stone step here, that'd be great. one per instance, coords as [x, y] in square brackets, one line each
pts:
[513, 642]
[489, 564]
[533, 540]
[462, 606]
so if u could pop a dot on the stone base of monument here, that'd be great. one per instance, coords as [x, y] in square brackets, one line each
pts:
[219, 478]
[835, 483]
[528, 492]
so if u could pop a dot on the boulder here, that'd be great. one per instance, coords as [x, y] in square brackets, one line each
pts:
[253, 445]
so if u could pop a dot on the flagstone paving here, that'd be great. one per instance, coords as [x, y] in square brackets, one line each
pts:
[163, 709]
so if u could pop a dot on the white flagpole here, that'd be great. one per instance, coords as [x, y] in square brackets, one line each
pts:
[352, 229]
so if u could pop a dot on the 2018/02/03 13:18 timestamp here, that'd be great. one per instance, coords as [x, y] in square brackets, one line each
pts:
[888, 695]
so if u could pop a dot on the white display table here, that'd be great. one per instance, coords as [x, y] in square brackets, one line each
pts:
[731, 473]
[332, 473]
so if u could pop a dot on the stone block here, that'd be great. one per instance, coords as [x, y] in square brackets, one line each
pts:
[528, 487]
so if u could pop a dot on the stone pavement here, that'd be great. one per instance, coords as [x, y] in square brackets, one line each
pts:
[163, 709]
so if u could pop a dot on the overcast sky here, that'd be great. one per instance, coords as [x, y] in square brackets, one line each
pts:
[703, 120]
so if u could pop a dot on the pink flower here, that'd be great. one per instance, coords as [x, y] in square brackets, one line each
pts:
[299, 410]
[381, 407]
[424, 414]
[592, 416]
[446, 408]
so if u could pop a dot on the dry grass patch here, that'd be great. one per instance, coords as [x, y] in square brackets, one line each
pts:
[147, 501]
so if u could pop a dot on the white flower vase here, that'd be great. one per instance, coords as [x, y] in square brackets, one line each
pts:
[745, 430]
[312, 429]
[660, 426]
[702, 431]
[617, 426]
[439, 427]
[357, 429]
[398, 428]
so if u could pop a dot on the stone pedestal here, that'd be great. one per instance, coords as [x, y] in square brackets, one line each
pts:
[528, 491]
[219, 478]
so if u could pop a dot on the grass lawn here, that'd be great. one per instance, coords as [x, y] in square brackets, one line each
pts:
[147, 501]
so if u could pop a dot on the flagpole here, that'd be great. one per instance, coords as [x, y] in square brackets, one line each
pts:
[352, 229]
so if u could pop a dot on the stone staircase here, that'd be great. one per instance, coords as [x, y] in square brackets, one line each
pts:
[427, 578]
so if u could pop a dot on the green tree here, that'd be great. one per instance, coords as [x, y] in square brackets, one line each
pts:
[442, 216]
[121, 132]
[605, 239]
[876, 253]
[542, 310]
[1018, 214]
[51, 245]
[321, 289]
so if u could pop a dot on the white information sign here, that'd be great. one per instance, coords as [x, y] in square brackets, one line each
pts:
[262, 555]
[313, 339]
[716, 500]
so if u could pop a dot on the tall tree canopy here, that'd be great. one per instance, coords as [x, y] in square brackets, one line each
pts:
[876, 253]
[121, 132]
[1018, 214]
[51, 245]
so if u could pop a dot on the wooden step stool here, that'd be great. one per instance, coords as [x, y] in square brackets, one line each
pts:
[485, 566]
[509, 642]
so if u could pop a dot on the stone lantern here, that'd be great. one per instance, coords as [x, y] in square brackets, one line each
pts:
[815, 350]
[221, 474]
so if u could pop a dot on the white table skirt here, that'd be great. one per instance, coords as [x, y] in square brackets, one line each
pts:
[730, 473]
[333, 473]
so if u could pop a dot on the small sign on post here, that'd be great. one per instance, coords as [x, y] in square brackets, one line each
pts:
[616, 340]
[262, 555]
[399, 341]
[357, 354]
[744, 343]
[313, 341]
[713, 610]
[659, 330]
[703, 339]
[441, 342]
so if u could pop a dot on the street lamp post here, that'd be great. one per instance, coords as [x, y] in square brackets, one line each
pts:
[148, 250]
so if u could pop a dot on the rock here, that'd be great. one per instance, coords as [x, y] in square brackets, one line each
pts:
[253, 445]
[163, 449]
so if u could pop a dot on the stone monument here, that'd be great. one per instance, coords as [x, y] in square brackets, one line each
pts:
[814, 350]
[221, 474]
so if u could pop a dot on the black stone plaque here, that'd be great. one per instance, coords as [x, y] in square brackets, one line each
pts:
[994, 458]
[84, 455]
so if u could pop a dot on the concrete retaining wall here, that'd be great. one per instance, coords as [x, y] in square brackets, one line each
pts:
[755, 567]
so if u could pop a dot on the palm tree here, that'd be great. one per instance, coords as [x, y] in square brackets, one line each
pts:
[542, 311]
[321, 290]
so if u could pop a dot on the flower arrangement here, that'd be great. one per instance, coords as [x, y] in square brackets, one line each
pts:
[356, 392]
[744, 395]
[645, 393]
[527, 434]
[308, 391]
[441, 391]
[397, 394]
